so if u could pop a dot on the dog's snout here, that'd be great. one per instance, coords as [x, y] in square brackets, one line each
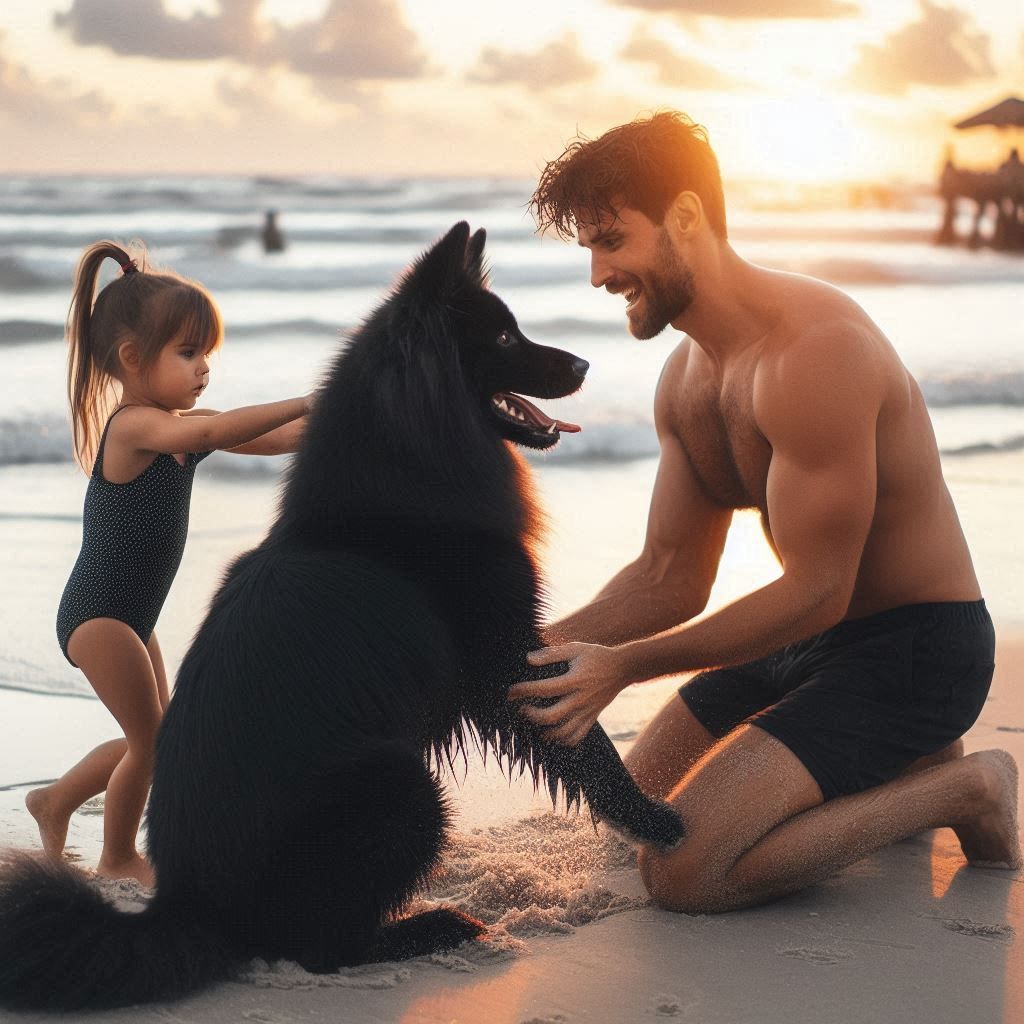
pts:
[580, 367]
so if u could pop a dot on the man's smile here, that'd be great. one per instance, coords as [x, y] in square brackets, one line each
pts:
[630, 293]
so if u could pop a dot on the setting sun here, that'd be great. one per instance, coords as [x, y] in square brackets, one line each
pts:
[807, 140]
[819, 91]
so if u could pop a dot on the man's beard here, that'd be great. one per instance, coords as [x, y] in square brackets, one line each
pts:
[667, 292]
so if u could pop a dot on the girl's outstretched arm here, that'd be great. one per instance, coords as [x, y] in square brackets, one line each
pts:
[155, 430]
[281, 441]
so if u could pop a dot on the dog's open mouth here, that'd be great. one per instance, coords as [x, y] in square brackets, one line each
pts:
[516, 411]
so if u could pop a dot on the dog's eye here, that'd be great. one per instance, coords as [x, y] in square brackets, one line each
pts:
[505, 338]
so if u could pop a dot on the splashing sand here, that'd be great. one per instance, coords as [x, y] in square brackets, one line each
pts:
[540, 875]
[543, 875]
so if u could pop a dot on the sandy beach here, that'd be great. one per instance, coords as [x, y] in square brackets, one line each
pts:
[910, 934]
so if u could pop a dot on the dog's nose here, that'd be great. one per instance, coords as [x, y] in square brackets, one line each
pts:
[580, 367]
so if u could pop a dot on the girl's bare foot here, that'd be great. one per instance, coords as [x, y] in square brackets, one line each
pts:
[136, 867]
[53, 826]
[991, 839]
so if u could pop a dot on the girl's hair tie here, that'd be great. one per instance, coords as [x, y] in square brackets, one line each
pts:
[129, 267]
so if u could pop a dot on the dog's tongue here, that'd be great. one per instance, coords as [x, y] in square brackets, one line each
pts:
[538, 418]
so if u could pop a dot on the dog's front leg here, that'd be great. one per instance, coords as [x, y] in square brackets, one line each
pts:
[593, 767]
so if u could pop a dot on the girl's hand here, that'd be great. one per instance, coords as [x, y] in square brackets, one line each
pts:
[594, 678]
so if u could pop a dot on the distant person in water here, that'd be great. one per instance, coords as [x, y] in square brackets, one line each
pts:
[826, 717]
[138, 362]
[273, 240]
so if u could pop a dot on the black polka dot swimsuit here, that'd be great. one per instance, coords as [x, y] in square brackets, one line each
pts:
[133, 536]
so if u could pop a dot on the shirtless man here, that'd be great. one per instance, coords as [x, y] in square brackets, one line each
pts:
[829, 723]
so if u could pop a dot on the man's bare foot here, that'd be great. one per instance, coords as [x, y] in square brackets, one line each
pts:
[136, 867]
[991, 838]
[53, 827]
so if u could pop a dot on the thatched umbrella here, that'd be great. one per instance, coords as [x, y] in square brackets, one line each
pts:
[1003, 188]
[1008, 113]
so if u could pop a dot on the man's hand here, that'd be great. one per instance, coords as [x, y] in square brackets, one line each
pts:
[594, 679]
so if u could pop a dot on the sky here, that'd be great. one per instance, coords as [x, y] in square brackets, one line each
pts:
[802, 91]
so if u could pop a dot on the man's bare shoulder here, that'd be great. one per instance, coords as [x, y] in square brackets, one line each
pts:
[824, 347]
[817, 322]
[807, 305]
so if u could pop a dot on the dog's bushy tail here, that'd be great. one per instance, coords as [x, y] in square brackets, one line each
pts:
[63, 947]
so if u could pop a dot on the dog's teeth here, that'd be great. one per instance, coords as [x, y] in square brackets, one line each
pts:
[502, 406]
[551, 429]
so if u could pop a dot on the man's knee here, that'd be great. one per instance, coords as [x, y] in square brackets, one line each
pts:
[680, 882]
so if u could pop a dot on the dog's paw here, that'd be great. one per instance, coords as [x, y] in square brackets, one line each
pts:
[454, 927]
[430, 932]
[657, 823]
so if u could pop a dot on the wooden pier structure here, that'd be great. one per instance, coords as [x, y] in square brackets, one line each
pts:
[997, 195]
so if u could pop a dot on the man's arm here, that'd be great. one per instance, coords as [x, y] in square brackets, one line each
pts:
[670, 581]
[817, 406]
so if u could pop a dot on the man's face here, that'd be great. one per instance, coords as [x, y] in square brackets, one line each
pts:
[632, 256]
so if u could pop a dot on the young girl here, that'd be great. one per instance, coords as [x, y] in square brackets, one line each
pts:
[137, 364]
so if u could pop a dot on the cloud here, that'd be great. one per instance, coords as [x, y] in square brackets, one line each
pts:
[676, 69]
[142, 28]
[748, 9]
[352, 39]
[942, 49]
[559, 63]
[33, 101]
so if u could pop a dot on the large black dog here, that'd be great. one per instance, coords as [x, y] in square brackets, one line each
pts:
[376, 630]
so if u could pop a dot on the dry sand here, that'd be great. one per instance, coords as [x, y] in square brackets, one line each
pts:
[908, 935]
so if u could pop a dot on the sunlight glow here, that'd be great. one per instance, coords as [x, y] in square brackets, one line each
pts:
[944, 867]
[806, 139]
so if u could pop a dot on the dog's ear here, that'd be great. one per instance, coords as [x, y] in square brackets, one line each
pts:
[444, 264]
[475, 257]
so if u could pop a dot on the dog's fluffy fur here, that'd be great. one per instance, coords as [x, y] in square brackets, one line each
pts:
[375, 630]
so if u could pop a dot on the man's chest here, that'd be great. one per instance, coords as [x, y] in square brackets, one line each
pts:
[729, 455]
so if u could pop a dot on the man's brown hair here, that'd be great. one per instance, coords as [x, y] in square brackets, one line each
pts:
[644, 165]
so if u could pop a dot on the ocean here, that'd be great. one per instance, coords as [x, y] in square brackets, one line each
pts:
[954, 316]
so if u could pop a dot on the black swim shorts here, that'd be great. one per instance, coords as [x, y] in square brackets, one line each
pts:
[861, 701]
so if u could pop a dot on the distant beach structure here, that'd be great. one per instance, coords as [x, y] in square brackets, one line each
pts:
[999, 191]
[273, 239]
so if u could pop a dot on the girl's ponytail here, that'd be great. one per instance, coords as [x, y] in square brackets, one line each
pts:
[91, 376]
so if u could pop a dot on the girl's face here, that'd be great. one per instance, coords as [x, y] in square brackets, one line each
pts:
[179, 375]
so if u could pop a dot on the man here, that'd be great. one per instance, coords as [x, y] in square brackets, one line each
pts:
[829, 724]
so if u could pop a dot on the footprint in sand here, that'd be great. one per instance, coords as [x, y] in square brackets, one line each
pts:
[965, 926]
[1010, 728]
[816, 955]
[666, 1006]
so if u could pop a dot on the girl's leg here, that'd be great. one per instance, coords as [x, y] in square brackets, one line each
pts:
[157, 658]
[53, 805]
[120, 670]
